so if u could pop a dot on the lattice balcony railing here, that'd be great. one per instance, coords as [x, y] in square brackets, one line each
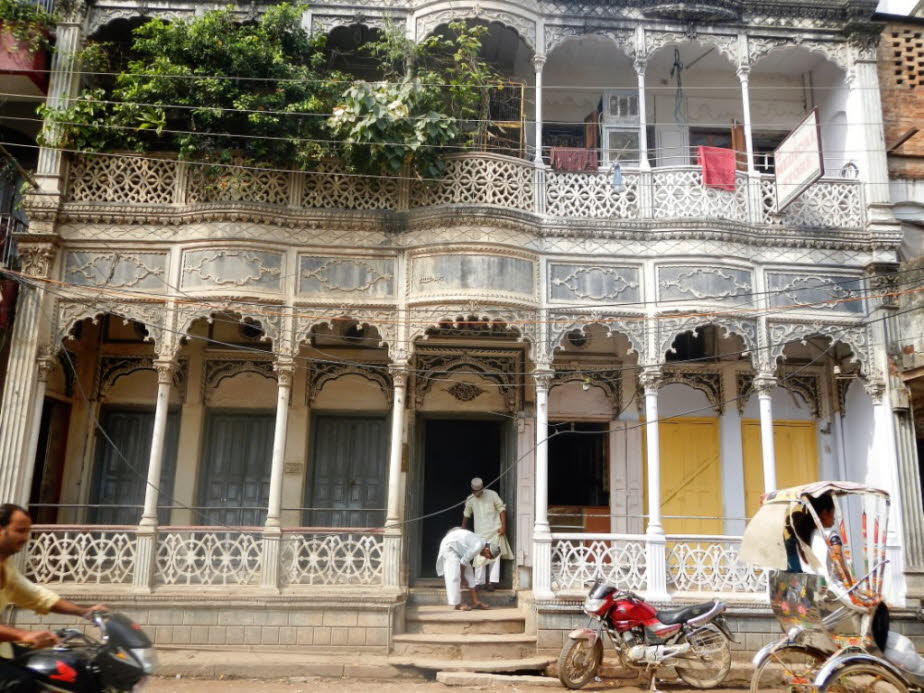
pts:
[206, 556]
[89, 555]
[580, 558]
[331, 558]
[481, 179]
[710, 564]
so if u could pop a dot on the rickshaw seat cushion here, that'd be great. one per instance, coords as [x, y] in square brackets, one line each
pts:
[880, 626]
[671, 617]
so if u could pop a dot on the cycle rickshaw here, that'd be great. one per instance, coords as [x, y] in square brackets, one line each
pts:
[824, 548]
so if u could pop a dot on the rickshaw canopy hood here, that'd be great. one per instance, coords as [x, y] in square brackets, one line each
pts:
[763, 543]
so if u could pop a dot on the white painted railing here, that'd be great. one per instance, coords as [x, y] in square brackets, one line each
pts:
[693, 563]
[710, 564]
[580, 558]
[675, 192]
[201, 556]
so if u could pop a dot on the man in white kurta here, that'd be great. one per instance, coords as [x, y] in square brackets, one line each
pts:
[460, 550]
[490, 515]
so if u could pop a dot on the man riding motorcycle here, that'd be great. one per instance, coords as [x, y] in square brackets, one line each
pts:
[15, 525]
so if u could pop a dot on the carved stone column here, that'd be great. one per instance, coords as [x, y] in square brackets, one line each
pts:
[656, 544]
[646, 180]
[272, 530]
[538, 65]
[764, 384]
[46, 365]
[18, 406]
[63, 84]
[542, 538]
[391, 559]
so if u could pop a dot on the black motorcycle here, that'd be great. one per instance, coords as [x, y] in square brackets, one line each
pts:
[119, 661]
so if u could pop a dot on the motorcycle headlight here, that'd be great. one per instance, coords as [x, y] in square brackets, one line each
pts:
[591, 606]
[147, 657]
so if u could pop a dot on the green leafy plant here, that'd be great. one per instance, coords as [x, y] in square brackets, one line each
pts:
[28, 23]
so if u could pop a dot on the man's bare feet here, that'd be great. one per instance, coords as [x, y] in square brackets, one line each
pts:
[463, 607]
[481, 605]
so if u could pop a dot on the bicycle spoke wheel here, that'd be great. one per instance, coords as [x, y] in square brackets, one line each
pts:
[790, 669]
[865, 678]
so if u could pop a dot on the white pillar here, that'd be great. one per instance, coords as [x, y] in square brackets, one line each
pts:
[18, 402]
[764, 384]
[284, 371]
[393, 528]
[542, 538]
[865, 118]
[156, 458]
[538, 64]
[643, 163]
[45, 366]
[744, 76]
[656, 543]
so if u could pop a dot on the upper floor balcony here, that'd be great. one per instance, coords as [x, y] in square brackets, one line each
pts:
[151, 187]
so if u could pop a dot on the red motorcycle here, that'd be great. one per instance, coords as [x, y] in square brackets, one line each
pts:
[693, 639]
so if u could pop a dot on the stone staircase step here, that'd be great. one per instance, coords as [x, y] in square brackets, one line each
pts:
[454, 646]
[489, 666]
[434, 596]
[444, 619]
[473, 679]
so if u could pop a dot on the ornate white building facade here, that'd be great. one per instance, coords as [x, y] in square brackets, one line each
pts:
[308, 367]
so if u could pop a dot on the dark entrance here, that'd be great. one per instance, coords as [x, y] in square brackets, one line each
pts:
[454, 452]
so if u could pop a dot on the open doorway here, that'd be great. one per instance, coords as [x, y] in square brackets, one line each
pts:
[455, 451]
[579, 489]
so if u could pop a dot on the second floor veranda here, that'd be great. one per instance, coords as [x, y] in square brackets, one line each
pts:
[153, 187]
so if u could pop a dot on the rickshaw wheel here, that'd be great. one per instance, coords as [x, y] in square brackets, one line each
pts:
[790, 669]
[865, 678]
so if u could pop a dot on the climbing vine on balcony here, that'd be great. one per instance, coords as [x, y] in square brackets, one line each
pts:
[28, 22]
[216, 90]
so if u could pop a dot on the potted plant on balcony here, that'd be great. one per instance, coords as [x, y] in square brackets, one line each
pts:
[25, 31]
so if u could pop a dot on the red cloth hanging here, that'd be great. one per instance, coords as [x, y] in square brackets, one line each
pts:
[573, 159]
[718, 167]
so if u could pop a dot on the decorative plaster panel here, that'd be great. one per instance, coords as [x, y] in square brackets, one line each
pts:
[116, 268]
[489, 275]
[610, 283]
[232, 267]
[694, 282]
[820, 292]
[346, 276]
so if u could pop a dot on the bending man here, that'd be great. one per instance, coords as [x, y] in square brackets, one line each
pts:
[460, 552]
[490, 515]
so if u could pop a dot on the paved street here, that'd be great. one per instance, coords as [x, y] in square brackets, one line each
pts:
[366, 685]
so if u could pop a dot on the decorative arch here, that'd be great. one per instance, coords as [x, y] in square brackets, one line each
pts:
[631, 327]
[150, 314]
[607, 380]
[837, 53]
[383, 320]
[101, 16]
[726, 44]
[524, 26]
[322, 373]
[498, 366]
[268, 315]
[558, 34]
[671, 328]
[520, 320]
[218, 370]
[854, 336]
[326, 23]
[112, 368]
[707, 381]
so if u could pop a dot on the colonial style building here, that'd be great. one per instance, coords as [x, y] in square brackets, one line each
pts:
[310, 367]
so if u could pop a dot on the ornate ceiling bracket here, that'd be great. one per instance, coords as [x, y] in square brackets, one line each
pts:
[111, 368]
[557, 34]
[270, 317]
[744, 388]
[708, 382]
[218, 369]
[854, 336]
[500, 367]
[726, 44]
[807, 387]
[474, 320]
[151, 314]
[322, 373]
[561, 324]
[382, 319]
[526, 28]
[608, 380]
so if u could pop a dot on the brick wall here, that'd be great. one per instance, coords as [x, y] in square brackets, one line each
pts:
[901, 80]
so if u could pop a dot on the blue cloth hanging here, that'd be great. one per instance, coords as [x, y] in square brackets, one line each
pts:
[618, 184]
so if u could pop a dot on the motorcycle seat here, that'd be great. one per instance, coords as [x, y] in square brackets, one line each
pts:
[671, 617]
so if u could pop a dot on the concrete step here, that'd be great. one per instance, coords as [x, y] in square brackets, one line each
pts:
[433, 596]
[445, 619]
[455, 646]
[477, 679]
[497, 666]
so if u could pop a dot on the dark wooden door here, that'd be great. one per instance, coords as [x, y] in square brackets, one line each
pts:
[349, 472]
[235, 470]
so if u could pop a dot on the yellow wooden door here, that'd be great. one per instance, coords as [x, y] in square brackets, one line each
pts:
[691, 476]
[795, 447]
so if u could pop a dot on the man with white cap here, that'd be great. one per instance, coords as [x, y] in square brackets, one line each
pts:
[461, 552]
[490, 515]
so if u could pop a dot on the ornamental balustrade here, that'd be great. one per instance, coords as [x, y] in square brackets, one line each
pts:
[201, 556]
[480, 179]
[707, 564]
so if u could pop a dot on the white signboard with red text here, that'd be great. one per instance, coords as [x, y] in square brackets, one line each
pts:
[798, 161]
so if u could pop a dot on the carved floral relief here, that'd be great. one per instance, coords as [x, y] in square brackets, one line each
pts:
[610, 283]
[116, 268]
[232, 268]
[341, 276]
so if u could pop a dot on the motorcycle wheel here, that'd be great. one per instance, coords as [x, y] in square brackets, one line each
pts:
[791, 669]
[865, 678]
[709, 660]
[578, 663]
